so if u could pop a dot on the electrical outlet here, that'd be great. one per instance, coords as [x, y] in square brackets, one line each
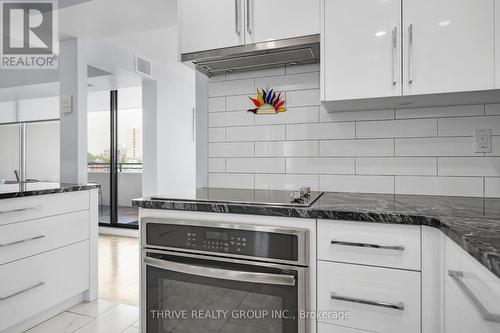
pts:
[482, 141]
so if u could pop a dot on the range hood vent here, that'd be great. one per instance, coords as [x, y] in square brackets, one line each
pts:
[296, 51]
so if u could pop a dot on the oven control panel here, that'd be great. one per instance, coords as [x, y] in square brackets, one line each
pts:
[235, 241]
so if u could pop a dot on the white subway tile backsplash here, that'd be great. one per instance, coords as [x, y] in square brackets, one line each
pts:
[286, 148]
[465, 126]
[406, 151]
[217, 165]
[239, 102]
[216, 104]
[396, 128]
[457, 146]
[322, 165]
[443, 111]
[306, 114]
[234, 118]
[233, 87]
[492, 187]
[285, 181]
[307, 97]
[469, 166]
[366, 184]
[454, 186]
[216, 134]
[325, 116]
[363, 147]
[256, 73]
[492, 109]
[256, 165]
[320, 131]
[235, 149]
[230, 180]
[256, 133]
[289, 82]
[413, 166]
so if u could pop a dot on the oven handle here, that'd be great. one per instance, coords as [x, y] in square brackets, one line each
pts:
[225, 274]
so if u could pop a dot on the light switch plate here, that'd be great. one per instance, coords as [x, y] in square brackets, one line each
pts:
[482, 141]
[66, 103]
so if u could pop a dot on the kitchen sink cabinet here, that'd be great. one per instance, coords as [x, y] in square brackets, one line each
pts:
[379, 54]
[208, 25]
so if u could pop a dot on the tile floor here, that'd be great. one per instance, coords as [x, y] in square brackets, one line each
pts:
[100, 316]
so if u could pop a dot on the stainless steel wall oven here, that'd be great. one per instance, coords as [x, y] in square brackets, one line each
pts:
[205, 276]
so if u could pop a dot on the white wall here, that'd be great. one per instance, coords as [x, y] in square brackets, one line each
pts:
[9, 151]
[405, 151]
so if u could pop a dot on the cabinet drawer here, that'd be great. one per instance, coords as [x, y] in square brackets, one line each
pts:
[34, 284]
[23, 239]
[385, 245]
[378, 299]
[28, 208]
[472, 288]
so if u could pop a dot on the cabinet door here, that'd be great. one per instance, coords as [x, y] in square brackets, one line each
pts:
[449, 46]
[206, 25]
[278, 19]
[361, 49]
[497, 44]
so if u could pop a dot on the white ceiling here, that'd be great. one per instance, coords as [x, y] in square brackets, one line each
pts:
[111, 18]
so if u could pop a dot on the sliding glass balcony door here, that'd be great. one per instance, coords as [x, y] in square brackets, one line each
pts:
[115, 153]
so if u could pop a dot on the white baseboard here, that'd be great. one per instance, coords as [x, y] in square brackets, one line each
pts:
[119, 232]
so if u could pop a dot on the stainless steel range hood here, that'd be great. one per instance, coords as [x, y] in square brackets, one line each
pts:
[297, 51]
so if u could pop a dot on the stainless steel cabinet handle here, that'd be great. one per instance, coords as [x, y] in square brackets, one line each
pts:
[237, 29]
[410, 53]
[22, 241]
[397, 306]
[249, 17]
[394, 55]
[18, 210]
[224, 274]
[488, 316]
[375, 246]
[39, 284]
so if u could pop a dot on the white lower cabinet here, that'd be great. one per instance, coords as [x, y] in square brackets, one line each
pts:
[377, 299]
[329, 328]
[34, 284]
[472, 294]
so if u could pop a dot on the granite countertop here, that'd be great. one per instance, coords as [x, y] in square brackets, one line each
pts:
[9, 191]
[473, 223]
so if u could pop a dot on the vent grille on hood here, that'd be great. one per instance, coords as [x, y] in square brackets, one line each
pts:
[297, 51]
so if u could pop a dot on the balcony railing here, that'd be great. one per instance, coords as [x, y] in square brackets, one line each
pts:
[122, 167]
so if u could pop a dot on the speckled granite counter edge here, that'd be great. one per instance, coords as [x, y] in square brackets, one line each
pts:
[489, 259]
[62, 189]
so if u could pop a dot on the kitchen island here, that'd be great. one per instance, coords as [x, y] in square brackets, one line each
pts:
[48, 251]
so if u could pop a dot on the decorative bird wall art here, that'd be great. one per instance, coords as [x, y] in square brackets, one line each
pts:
[267, 102]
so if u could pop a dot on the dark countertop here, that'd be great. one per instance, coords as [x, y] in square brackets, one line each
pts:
[9, 191]
[473, 223]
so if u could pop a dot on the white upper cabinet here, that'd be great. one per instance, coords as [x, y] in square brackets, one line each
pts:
[497, 44]
[206, 25]
[361, 49]
[278, 19]
[449, 46]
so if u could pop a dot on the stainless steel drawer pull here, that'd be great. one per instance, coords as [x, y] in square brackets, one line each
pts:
[374, 246]
[488, 316]
[237, 17]
[224, 274]
[397, 306]
[249, 17]
[39, 284]
[410, 53]
[18, 210]
[22, 241]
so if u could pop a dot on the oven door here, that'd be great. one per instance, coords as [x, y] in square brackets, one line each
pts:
[203, 294]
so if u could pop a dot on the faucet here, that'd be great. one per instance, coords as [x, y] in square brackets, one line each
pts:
[17, 175]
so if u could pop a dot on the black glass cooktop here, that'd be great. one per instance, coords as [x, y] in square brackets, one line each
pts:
[247, 196]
